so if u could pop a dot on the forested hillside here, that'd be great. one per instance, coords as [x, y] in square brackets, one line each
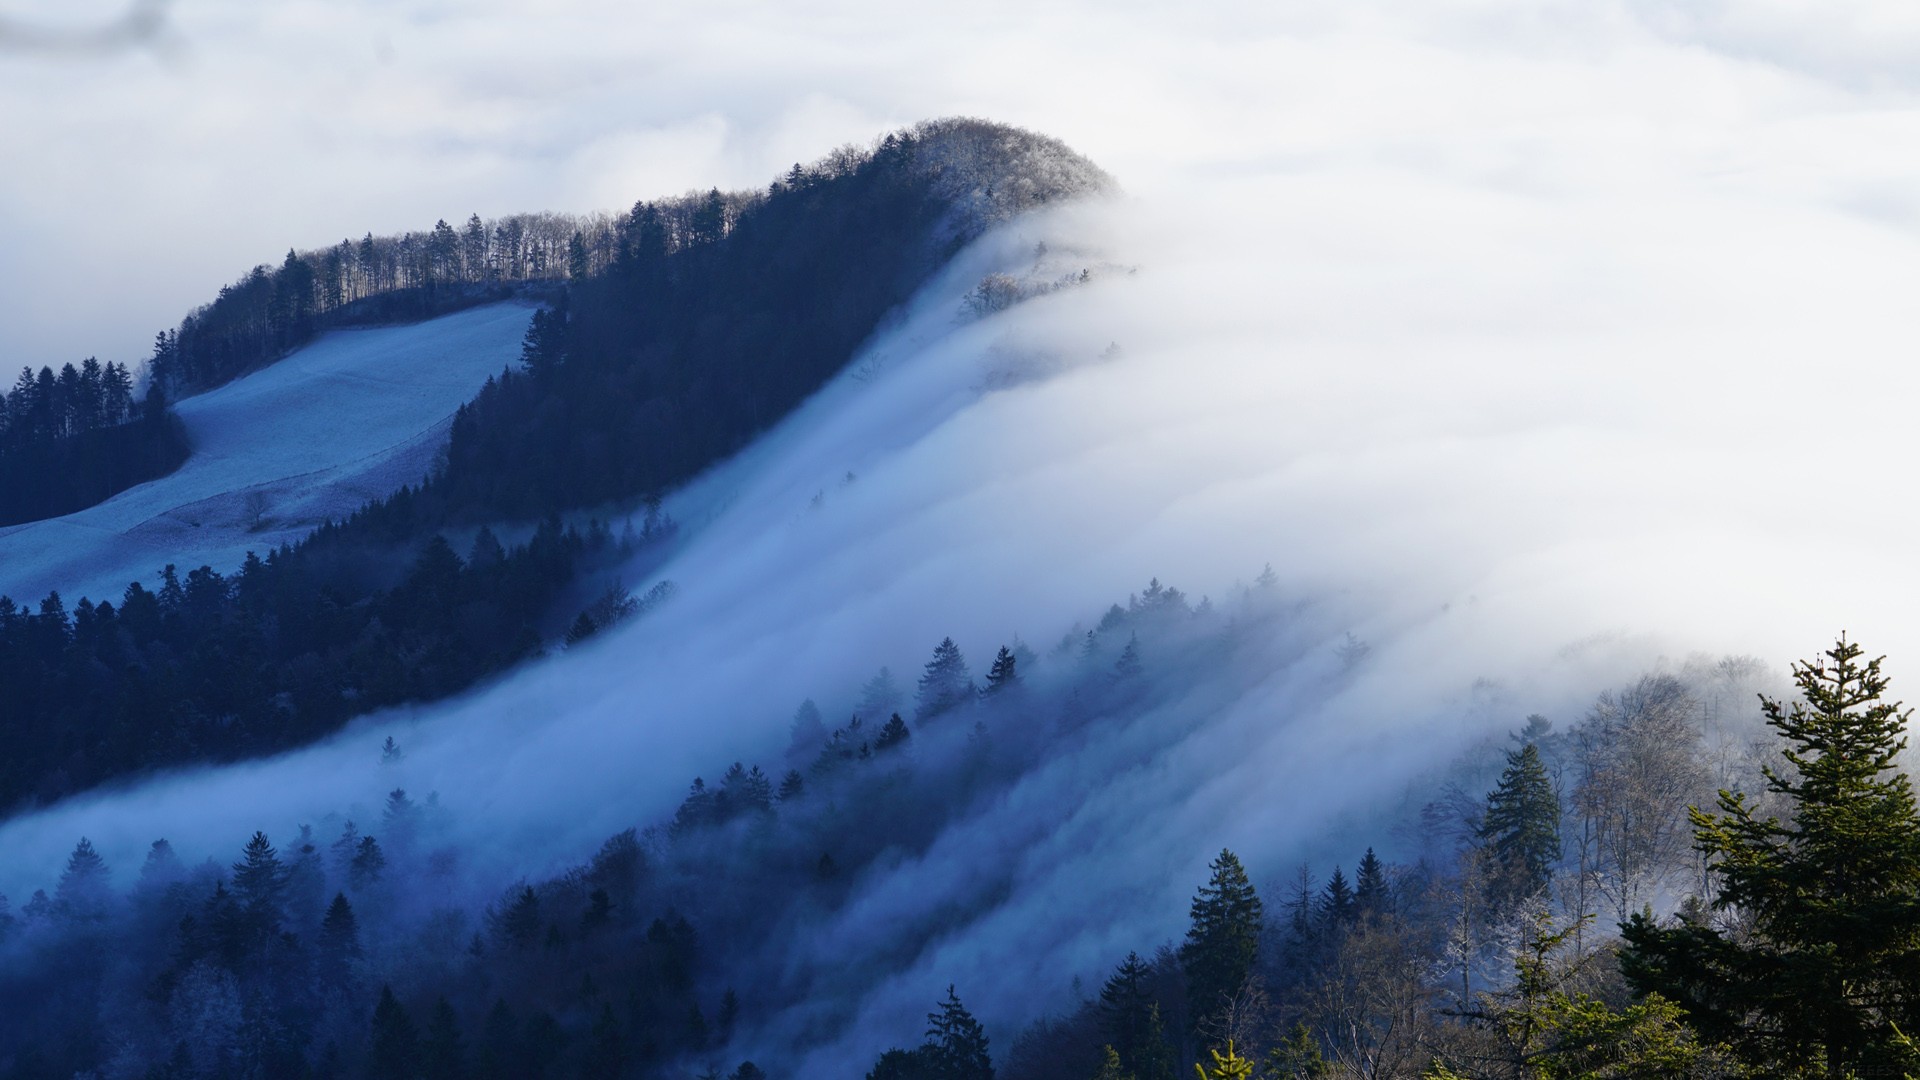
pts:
[70, 440]
[700, 946]
[687, 328]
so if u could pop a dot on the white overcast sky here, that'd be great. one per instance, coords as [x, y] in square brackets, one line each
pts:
[136, 182]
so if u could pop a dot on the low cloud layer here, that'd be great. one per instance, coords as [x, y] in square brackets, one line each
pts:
[1530, 348]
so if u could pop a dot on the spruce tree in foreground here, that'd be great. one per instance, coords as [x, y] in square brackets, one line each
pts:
[1522, 828]
[1820, 975]
[956, 1043]
[1223, 939]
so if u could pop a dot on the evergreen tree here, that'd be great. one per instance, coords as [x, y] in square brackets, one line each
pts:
[258, 882]
[344, 849]
[517, 925]
[1337, 904]
[898, 1064]
[946, 682]
[544, 348]
[791, 785]
[1297, 1057]
[577, 266]
[807, 733]
[369, 863]
[1128, 666]
[84, 892]
[1154, 1060]
[339, 943]
[1821, 976]
[606, 1047]
[1110, 1068]
[1522, 828]
[956, 1043]
[1223, 938]
[893, 733]
[1005, 673]
[442, 1055]
[1126, 1009]
[400, 817]
[1371, 894]
[1228, 1066]
[394, 1050]
[880, 696]
[500, 1048]
[1540, 1031]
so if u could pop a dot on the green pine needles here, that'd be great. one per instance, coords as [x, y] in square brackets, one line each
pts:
[1522, 828]
[1223, 938]
[1812, 968]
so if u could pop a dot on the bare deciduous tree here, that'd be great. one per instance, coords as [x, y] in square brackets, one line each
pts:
[1636, 768]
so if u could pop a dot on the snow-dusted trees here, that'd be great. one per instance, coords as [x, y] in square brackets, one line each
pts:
[1636, 766]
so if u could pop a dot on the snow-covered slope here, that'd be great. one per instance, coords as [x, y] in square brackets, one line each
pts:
[352, 416]
[1522, 430]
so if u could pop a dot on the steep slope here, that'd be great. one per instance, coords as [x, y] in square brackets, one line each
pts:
[349, 418]
[1511, 503]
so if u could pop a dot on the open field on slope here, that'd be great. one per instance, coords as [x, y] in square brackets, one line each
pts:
[352, 416]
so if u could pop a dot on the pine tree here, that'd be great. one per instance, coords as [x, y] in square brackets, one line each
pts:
[369, 863]
[1297, 1057]
[1110, 1067]
[1125, 1008]
[1337, 904]
[1128, 666]
[84, 892]
[1371, 894]
[807, 733]
[1005, 673]
[606, 1047]
[1155, 1058]
[339, 943]
[394, 1051]
[1223, 938]
[898, 1064]
[893, 733]
[442, 1055]
[956, 1043]
[577, 267]
[400, 817]
[1522, 828]
[792, 785]
[258, 881]
[945, 683]
[1228, 1066]
[880, 695]
[1824, 978]
[517, 925]
[500, 1047]
[344, 849]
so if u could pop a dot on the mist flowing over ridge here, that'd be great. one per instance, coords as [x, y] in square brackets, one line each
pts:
[1525, 438]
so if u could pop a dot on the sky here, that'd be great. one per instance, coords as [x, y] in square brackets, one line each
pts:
[1536, 344]
[151, 174]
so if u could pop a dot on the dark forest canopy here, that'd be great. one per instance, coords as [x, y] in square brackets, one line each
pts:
[70, 440]
[716, 315]
[689, 325]
[348, 949]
